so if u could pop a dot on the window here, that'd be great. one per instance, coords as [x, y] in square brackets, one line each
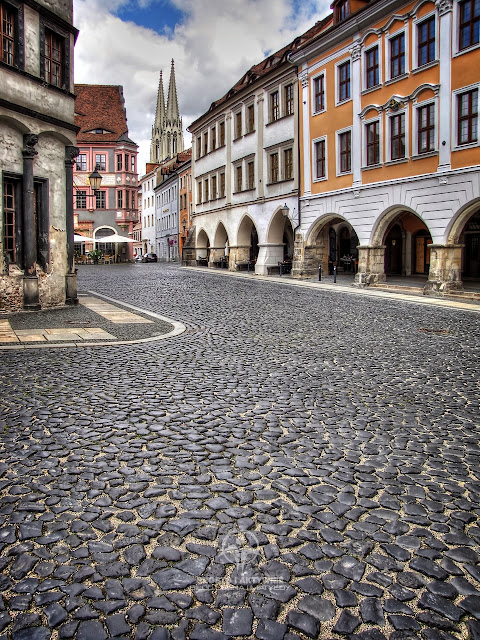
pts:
[9, 206]
[127, 199]
[274, 107]
[221, 190]
[345, 144]
[426, 41]
[238, 178]
[373, 143]
[205, 143]
[132, 163]
[126, 162]
[397, 55]
[373, 71]
[53, 58]
[397, 137]
[320, 159]
[250, 118]
[251, 175]
[222, 134]
[289, 99]
[213, 137]
[426, 128]
[199, 147]
[101, 161]
[7, 33]
[319, 93]
[100, 200]
[214, 190]
[342, 10]
[274, 167]
[288, 164]
[344, 81]
[81, 162]
[81, 199]
[205, 191]
[119, 163]
[119, 199]
[468, 117]
[469, 23]
[238, 124]
[199, 192]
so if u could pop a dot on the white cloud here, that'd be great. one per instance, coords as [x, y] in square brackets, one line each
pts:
[213, 46]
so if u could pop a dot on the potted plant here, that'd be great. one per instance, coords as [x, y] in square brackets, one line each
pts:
[95, 255]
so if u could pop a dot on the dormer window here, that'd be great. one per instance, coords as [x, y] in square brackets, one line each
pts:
[342, 10]
[99, 131]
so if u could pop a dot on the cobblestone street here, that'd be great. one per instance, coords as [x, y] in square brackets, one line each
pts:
[299, 463]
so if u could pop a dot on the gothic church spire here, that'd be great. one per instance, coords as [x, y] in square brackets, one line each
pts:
[167, 134]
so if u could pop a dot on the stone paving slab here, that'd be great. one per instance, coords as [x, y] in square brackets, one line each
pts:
[276, 472]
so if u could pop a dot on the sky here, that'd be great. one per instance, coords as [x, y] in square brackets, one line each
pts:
[213, 43]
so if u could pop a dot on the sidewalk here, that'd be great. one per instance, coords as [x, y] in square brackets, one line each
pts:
[96, 321]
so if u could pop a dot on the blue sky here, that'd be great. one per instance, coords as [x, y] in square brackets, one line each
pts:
[213, 43]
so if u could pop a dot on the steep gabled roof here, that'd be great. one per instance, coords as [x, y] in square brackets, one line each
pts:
[100, 107]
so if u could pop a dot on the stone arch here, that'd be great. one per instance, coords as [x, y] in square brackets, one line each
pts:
[331, 241]
[387, 219]
[221, 236]
[203, 246]
[59, 136]
[245, 251]
[456, 225]
[16, 124]
[221, 248]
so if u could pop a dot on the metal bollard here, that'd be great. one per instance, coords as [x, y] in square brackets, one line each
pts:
[248, 266]
[319, 272]
[280, 272]
[334, 273]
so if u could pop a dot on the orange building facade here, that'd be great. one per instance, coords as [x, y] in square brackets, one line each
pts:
[389, 143]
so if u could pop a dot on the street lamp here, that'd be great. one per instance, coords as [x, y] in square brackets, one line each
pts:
[184, 224]
[285, 210]
[95, 180]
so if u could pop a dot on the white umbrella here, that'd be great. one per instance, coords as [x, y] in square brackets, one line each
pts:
[77, 238]
[114, 238]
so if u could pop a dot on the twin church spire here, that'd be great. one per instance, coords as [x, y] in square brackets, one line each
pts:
[167, 134]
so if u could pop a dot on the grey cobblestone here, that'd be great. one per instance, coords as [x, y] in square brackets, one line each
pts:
[297, 464]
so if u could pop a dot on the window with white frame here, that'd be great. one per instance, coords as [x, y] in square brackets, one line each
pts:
[344, 151]
[221, 191]
[318, 93]
[274, 167]
[288, 164]
[199, 192]
[343, 82]
[250, 118]
[238, 124]
[238, 177]
[372, 67]
[396, 59]
[397, 148]
[214, 190]
[372, 156]
[213, 137]
[320, 159]
[425, 40]
[466, 113]
[274, 106]
[424, 122]
[469, 23]
[288, 99]
[250, 174]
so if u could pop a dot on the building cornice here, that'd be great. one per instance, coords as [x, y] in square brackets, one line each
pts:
[31, 113]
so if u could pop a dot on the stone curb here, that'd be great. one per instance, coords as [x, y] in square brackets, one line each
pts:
[339, 288]
[178, 328]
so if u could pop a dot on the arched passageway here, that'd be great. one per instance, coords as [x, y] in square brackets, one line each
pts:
[203, 248]
[407, 243]
[332, 243]
[243, 256]
[276, 253]
[219, 254]
[470, 239]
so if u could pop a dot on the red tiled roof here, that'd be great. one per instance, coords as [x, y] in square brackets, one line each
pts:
[100, 107]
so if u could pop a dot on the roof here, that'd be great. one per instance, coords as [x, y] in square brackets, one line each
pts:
[100, 106]
[270, 63]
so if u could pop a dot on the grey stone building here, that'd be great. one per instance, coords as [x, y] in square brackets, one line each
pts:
[37, 152]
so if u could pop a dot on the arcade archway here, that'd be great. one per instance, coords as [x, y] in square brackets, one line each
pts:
[332, 242]
[219, 255]
[407, 243]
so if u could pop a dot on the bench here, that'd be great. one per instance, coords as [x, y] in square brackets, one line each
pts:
[245, 266]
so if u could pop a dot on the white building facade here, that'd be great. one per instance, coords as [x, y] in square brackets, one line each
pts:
[147, 197]
[166, 219]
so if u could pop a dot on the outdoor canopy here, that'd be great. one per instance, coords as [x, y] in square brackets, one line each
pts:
[77, 238]
[114, 238]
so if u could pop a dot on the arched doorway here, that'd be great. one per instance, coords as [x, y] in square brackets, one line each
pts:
[244, 255]
[470, 238]
[253, 244]
[407, 241]
[203, 249]
[220, 250]
[332, 242]
[107, 248]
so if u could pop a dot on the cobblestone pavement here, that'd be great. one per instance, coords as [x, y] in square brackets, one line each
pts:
[297, 464]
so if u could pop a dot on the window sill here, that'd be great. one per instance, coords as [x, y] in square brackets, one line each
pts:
[342, 102]
[467, 50]
[279, 119]
[372, 166]
[243, 191]
[249, 133]
[317, 113]
[370, 89]
[396, 161]
[402, 76]
[344, 173]
[427, 154]
[322, 179]
[212, 151]
[467, 145]
[427, 65]
[271, 184]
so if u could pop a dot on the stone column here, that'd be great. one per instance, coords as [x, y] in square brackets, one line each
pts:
[307, 171]
[240, 253]
[445, 274]
[371, 265]
[269, 255]
[71, 277]
[31, 300]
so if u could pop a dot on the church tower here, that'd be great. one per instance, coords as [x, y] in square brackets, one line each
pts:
[167, 133]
